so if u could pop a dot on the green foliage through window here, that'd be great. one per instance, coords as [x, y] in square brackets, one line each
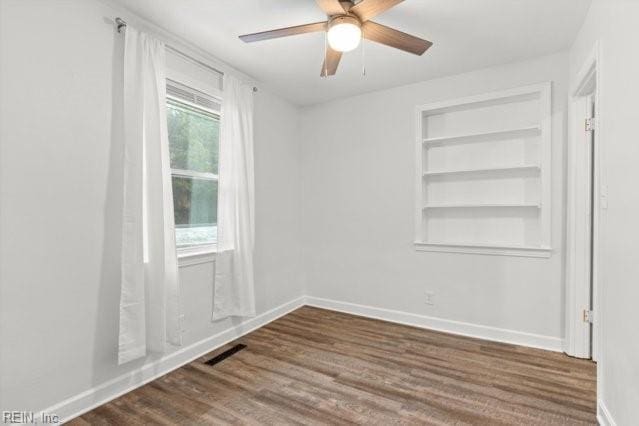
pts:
[193, 137]
[194, 148]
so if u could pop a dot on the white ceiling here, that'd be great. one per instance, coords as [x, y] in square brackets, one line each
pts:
[467, 35]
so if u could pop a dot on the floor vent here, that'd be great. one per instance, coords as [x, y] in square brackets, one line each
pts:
[221, 357]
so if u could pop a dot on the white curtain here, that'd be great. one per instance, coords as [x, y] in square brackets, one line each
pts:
[149, 297]
[233, 295]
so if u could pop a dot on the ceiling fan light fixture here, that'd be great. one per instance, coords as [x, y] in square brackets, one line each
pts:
[344, 33]
[349, 21]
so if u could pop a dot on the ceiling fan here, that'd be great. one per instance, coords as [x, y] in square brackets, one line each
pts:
[347, 23]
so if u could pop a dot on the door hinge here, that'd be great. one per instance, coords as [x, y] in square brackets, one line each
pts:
[590, 124]
[588, 316]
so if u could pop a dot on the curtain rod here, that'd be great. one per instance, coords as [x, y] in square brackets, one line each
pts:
[121, 23]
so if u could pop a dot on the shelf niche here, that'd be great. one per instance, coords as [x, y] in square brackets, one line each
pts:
[483, 173]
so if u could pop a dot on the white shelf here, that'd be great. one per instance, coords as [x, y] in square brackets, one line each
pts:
[485, 136]
[522, 168]
[480, 205]
[490, 249]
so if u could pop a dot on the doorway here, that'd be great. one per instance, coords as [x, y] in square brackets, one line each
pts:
[583, 203]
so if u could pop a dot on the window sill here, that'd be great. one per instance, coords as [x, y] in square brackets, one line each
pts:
[196, 255]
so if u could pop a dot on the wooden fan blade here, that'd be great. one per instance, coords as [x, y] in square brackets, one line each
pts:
[397, 39]
[330, 7]
[284, 32]
[368, 9]
[329, 67]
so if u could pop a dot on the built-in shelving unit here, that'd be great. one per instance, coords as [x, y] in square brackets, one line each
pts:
[483, 174]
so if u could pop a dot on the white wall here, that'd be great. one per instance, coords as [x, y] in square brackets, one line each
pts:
[358, 165]
[615, 25]
[59, 226]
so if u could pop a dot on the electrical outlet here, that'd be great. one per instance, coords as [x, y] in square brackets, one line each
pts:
[430, 298]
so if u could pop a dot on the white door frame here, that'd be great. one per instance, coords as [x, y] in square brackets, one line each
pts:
[581, 168]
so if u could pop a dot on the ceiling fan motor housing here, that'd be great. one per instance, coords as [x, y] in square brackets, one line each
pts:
[346, 4]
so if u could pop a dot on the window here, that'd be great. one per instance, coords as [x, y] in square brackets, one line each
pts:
[194, 127]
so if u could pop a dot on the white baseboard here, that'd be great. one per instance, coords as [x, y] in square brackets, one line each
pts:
[449, 326]
[101, 394]
[603, 415]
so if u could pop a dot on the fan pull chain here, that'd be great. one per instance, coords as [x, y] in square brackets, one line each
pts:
[363, 60]
[325, 54]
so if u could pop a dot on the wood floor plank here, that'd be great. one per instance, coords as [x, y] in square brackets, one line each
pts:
[315, 366]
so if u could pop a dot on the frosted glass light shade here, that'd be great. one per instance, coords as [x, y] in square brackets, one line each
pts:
[344, 35]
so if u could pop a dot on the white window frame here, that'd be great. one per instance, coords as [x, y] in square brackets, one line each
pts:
[200, 253]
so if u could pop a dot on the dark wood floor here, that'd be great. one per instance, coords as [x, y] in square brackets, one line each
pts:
[321, 367]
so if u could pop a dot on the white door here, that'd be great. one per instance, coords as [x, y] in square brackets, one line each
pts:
[579, 290]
